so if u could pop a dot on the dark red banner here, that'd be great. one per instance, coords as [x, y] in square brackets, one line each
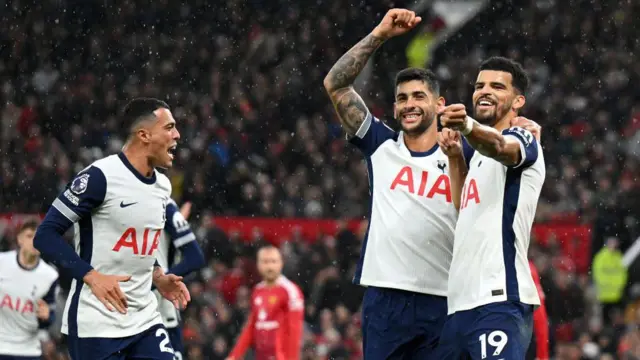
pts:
[574, 240]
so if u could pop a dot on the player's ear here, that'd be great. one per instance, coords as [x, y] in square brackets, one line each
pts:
[518, 103]
[440, 103]
[143, 135]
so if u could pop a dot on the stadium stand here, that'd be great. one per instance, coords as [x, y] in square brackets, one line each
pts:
[259, 140]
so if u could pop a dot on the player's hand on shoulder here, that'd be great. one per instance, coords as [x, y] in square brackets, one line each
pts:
[171, 287]
[453, 116]
[107, 289]
[396, 22]
[533, 127]
[42, 312]
[450, 141]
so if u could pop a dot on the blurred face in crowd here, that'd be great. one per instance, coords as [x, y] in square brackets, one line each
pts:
[416, 106]
[162, 138]
[25, 242]
[269, 263]
[494, 97]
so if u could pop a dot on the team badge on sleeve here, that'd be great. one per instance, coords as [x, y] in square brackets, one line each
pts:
[79, 184]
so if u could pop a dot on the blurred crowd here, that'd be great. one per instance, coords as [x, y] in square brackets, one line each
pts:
[259, 137]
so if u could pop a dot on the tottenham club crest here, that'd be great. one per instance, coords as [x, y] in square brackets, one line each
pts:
[442, 165]
[79, 184]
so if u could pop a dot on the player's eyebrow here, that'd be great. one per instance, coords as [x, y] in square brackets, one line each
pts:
[492, 83]
[414, 93]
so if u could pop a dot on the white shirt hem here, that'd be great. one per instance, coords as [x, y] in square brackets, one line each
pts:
[117, 333]
[20, 353]
[495, 299]
[406, 287]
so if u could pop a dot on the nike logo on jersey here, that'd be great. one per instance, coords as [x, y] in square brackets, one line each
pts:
[123, 205]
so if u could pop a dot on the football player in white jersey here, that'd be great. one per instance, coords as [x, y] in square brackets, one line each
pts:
[117, 208]
[408, 247]
[491, 293]
[179, 254]
[27, 297]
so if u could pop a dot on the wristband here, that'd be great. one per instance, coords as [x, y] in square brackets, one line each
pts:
[468, 126]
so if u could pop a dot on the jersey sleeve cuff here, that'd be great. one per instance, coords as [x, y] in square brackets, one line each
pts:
[182, 240]
[523, 151]
[65, 210]
[80, 270]
[364, 127]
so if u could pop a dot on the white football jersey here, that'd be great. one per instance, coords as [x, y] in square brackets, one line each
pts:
[118, 217]
[20, 290]
[492, 235]
[409, 242]
[177, 232]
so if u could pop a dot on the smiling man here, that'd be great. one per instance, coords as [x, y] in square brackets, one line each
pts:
[408, 248]
[117, 207]
[491, 291]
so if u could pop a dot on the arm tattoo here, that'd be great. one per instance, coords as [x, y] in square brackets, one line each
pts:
[351, 110]
[346, 70]
[338, 83]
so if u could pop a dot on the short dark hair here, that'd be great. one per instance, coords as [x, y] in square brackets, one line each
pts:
[30, 224]
[424, 75]
[520, 80]
[140, 108]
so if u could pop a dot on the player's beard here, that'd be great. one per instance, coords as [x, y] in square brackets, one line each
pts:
[492, 117]
[270, 275]
[424, 124]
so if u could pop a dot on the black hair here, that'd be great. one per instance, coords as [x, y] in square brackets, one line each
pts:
[30, 224]
[520, 80]
[424, 75]
[140, 108]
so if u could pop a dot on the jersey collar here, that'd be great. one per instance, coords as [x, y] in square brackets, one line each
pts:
[416, 153]
[24, 267]
[147, 180]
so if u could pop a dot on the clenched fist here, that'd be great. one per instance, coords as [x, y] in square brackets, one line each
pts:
[450, 142]
[396, 22]
[454, 117]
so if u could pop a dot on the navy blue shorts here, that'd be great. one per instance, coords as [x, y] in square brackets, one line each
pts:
[498, 331]
[175, 335]
[398, 324]
[152, 344]
[12, 357]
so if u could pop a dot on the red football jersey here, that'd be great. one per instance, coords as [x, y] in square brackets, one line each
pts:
[275, 324]
[540, 320]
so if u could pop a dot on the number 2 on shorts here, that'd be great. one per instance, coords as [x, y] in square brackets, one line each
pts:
[164, 344]
[496, 339]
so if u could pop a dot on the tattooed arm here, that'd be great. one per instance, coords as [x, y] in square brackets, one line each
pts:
[350, 107]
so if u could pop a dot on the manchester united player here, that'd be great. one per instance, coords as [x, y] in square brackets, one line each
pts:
[275, 324]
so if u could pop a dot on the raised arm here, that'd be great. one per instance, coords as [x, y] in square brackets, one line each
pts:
[349, 106]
